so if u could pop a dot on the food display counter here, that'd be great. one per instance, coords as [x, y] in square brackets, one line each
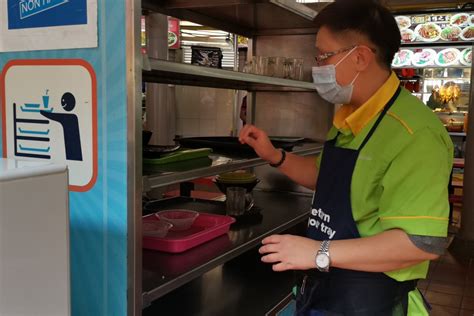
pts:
[435, 62]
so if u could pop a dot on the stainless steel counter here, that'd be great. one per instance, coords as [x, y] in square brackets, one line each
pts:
[163, 272]
[242, 286]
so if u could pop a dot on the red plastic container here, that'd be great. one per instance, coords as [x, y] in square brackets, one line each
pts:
[206, 227]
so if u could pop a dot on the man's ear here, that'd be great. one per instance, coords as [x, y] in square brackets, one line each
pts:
[364, 56]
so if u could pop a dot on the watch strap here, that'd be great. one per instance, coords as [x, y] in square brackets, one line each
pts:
[324, 250]
[325, 246]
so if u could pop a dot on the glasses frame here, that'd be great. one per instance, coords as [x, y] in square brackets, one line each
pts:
[324, 56]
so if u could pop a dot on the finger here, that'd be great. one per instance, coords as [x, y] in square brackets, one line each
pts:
[269, 248]
[245, 133]
[281, 266]
[249, 135]
[250, 141]
[273, 239]
[271, 258]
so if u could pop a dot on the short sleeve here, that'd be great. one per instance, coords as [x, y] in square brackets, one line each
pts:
[415, 186]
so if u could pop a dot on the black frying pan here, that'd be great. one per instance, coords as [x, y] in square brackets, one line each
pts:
[228, 145]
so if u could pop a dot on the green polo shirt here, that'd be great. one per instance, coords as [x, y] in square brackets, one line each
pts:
[401, 176]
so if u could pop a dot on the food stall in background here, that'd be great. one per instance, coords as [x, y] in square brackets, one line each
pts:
[434, 63]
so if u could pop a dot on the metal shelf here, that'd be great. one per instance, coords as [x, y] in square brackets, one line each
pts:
[448, 78]
[220, 164]
[244, 17]
[164, 272]
[163, 71]
[457, 134]
[219, 290]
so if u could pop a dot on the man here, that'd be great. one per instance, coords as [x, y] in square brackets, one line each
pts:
[380, 209]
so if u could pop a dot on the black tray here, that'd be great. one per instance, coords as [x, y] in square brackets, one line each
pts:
[229, 145]
[157, 151]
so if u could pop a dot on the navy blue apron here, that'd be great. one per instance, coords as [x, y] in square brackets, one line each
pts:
[340, 291]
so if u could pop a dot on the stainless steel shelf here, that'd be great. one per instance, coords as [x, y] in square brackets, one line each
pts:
[243, 17]
[449, 78]
[238, 282]
[164, 272]
[220, 164]
[163, 71]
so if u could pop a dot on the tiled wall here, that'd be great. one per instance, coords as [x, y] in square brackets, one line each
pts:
[204, 111]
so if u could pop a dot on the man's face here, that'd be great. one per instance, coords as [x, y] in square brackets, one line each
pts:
[327, 42]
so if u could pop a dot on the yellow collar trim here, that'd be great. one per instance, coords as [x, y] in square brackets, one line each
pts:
[355, 119]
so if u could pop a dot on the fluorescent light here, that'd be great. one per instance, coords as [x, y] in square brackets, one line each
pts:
[296, 8]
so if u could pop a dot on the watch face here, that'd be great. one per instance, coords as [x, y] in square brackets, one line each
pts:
[322, 260]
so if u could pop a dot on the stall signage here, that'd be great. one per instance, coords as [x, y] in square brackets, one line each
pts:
[437, 28]
[28, 25]
[31, 7]
[174, 41]
[49, 113]
[460, 56]
[24, 14]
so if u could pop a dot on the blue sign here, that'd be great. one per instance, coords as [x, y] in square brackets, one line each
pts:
[99, 216]
[24, 14]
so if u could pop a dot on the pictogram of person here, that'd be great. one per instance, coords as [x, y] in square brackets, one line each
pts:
[70, 125]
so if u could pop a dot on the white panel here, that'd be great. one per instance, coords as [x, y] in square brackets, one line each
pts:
[34, 246]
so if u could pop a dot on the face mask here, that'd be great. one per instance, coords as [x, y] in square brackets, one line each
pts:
[324, 78]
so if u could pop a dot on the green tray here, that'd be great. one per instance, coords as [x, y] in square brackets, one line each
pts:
[177, 156]
[179, 166]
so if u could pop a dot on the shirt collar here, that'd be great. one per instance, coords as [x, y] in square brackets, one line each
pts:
[353, 119]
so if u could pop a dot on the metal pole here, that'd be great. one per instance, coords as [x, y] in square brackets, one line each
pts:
[236, 107]
[159, 110]
[134, 157]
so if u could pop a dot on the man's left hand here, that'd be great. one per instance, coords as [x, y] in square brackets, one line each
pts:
[288, 252]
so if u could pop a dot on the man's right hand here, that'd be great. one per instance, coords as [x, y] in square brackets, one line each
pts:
[302, 170]
[259, 141]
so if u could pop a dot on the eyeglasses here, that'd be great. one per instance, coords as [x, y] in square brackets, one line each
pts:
[322, 57]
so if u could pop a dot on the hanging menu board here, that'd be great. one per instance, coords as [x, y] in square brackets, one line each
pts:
[459, 56]
[436, 28]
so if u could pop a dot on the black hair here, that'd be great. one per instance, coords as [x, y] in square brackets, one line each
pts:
[368, 18]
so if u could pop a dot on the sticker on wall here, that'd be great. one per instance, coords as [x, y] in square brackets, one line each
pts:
[49, 112]
[47, 24]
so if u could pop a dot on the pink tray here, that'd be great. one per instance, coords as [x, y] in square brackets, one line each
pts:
[205, 227]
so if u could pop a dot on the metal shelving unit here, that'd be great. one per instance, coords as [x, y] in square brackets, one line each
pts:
[251, 18]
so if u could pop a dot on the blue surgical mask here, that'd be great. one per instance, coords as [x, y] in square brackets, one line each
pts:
[324, 78]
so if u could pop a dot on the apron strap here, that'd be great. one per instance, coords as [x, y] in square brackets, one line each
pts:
[381, 116]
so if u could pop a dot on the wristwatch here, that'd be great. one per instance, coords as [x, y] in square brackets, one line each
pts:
[323, 261]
